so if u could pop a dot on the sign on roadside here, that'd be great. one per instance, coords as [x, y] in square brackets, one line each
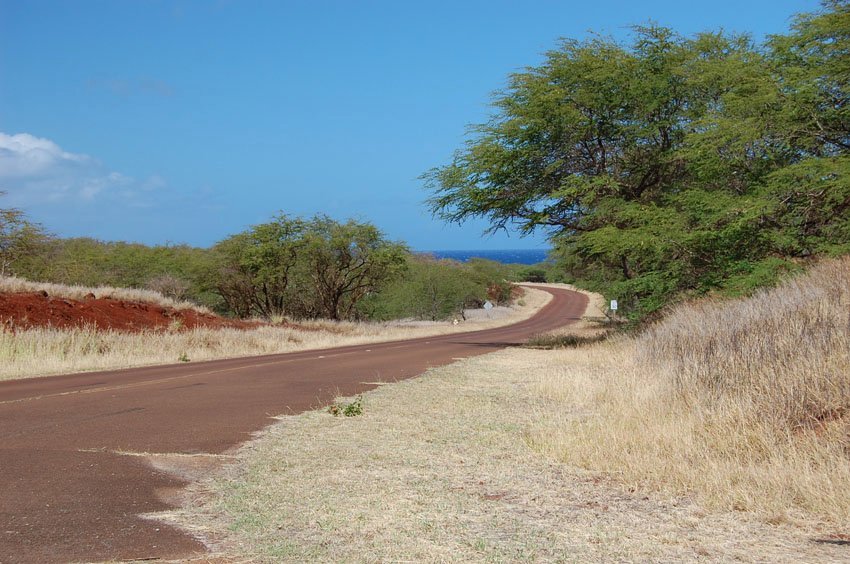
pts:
[488, 305]
[613, 305]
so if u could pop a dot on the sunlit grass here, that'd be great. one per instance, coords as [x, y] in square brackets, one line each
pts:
[745, 403]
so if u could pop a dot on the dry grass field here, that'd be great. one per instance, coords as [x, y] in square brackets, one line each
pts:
[48, 351]
[720, 434]
[745, 404]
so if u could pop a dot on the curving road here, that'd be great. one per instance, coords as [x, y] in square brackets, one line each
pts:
[72, 487]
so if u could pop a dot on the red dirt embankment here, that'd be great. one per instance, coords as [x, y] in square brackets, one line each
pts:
[28, 310]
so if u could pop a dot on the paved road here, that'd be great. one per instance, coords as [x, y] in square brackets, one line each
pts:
[70, 487]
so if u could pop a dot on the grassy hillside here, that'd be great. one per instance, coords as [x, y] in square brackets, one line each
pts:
[745, 403]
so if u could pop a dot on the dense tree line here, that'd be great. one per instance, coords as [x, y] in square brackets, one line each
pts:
[670, 165]
[288, 267]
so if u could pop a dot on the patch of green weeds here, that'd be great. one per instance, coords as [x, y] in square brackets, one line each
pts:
[352, 409]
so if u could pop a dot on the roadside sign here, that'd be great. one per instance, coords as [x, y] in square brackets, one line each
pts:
[488, 305]
[613, 305]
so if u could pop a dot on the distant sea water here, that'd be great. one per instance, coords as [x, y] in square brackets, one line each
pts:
[506, 256]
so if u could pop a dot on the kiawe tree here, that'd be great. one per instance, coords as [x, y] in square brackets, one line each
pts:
[812, 195]
[305, 268]
[255, 267]
[270, 257]
[19, 239]
[345, 262]
[670, 164]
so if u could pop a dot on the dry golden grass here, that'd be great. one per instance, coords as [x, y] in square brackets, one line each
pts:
[439, 469]
[744, 404]
[48, 351]
[11, 284]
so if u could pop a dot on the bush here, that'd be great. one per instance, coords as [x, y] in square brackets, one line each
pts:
[532, 274]
[429, 289]
[501, 293]
[169, 286]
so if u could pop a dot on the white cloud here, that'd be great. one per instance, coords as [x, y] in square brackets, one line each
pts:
[24, 155]
[34, 170]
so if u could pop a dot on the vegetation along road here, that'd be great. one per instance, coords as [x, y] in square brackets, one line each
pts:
[79, 452]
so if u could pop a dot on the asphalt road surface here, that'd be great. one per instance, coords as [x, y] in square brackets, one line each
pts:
[72, 487]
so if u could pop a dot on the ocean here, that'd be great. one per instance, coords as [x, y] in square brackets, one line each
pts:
[506, 256]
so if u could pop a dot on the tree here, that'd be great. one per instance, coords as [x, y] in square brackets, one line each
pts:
[595, 121]
[810, 199]
[255, 267]
[345, 262]
[19, 239]
[671, 164]
[443, 289]
[270, 257]
[232, 281]
[304, 268]
[814, 63]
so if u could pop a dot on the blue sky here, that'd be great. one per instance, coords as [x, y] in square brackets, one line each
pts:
[187, 121]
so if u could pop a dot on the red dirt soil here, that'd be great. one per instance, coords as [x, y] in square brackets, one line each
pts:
[29, 310]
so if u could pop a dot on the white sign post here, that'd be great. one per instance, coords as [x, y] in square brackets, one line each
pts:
[488, 305]
[613, 305]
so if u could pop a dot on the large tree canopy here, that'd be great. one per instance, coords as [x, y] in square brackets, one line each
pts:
[669, 164]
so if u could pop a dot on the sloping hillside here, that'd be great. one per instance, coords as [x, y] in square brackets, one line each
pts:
[745, 403]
